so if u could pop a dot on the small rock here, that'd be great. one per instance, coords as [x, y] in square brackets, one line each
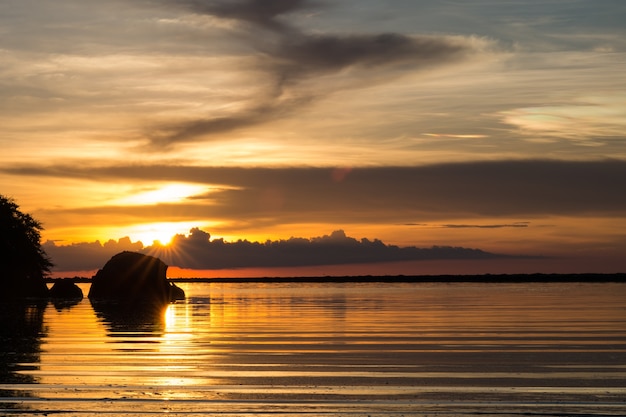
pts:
[66, 289]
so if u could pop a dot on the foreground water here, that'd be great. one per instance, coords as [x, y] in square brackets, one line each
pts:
[326, 349]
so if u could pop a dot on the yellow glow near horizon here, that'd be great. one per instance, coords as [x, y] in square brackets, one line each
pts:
[162, 232]
[168, 193]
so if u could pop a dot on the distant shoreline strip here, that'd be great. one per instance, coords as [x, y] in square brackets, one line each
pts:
[485, 278]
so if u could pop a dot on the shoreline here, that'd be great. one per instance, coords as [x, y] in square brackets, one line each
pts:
[485, 278]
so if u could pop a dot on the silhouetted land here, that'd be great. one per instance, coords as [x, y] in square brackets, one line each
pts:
[486, 278]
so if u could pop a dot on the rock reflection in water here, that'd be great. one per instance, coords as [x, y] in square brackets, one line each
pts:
[21, 332]
[139, 321]
[63, 304]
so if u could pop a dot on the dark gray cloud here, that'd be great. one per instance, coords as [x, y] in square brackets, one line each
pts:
[333, 53]
[388, 194]
[485, 226]
[273, 107]
[194, 130]
[291, 56]
[197, 251]
[86, 256]
[263, 13]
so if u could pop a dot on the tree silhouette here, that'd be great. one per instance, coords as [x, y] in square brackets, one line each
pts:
[23, 263]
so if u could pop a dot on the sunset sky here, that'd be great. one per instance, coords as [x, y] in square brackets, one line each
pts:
[493, 126]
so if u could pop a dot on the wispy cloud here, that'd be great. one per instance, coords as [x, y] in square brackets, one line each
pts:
[586, 120]
[291, 56]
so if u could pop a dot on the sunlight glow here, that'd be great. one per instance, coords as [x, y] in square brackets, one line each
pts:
[175, 344]
[160, 232]
[169, 193]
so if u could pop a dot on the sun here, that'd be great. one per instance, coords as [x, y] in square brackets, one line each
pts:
[164, 193]
[155, 194]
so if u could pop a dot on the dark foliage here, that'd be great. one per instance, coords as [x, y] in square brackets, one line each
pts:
[23, 263]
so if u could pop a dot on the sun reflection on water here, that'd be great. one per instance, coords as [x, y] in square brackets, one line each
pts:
[175, 346]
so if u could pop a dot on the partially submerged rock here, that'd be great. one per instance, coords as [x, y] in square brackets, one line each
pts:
[176, 293]
[132, 278]
[65, 289]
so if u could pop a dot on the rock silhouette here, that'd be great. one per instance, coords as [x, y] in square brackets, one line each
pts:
[134, 279]
[65, 289]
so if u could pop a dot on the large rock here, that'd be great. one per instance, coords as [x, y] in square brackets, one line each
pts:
[133, 278]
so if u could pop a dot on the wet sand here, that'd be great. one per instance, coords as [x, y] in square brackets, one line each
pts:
[333, 350]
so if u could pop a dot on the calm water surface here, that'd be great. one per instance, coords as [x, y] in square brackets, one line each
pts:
[325, 349]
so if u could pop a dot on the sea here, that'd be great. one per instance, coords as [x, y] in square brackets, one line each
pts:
[324, 349]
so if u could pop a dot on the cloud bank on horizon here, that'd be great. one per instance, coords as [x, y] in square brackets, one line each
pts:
[196, 250]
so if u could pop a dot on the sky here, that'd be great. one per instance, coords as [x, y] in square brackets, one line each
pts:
[312, 137]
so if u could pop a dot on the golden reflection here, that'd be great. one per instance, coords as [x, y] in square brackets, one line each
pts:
[239, 342]
[170, 317]
[176, 349]
[75, 336]
[178, 323]
[83, 347]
